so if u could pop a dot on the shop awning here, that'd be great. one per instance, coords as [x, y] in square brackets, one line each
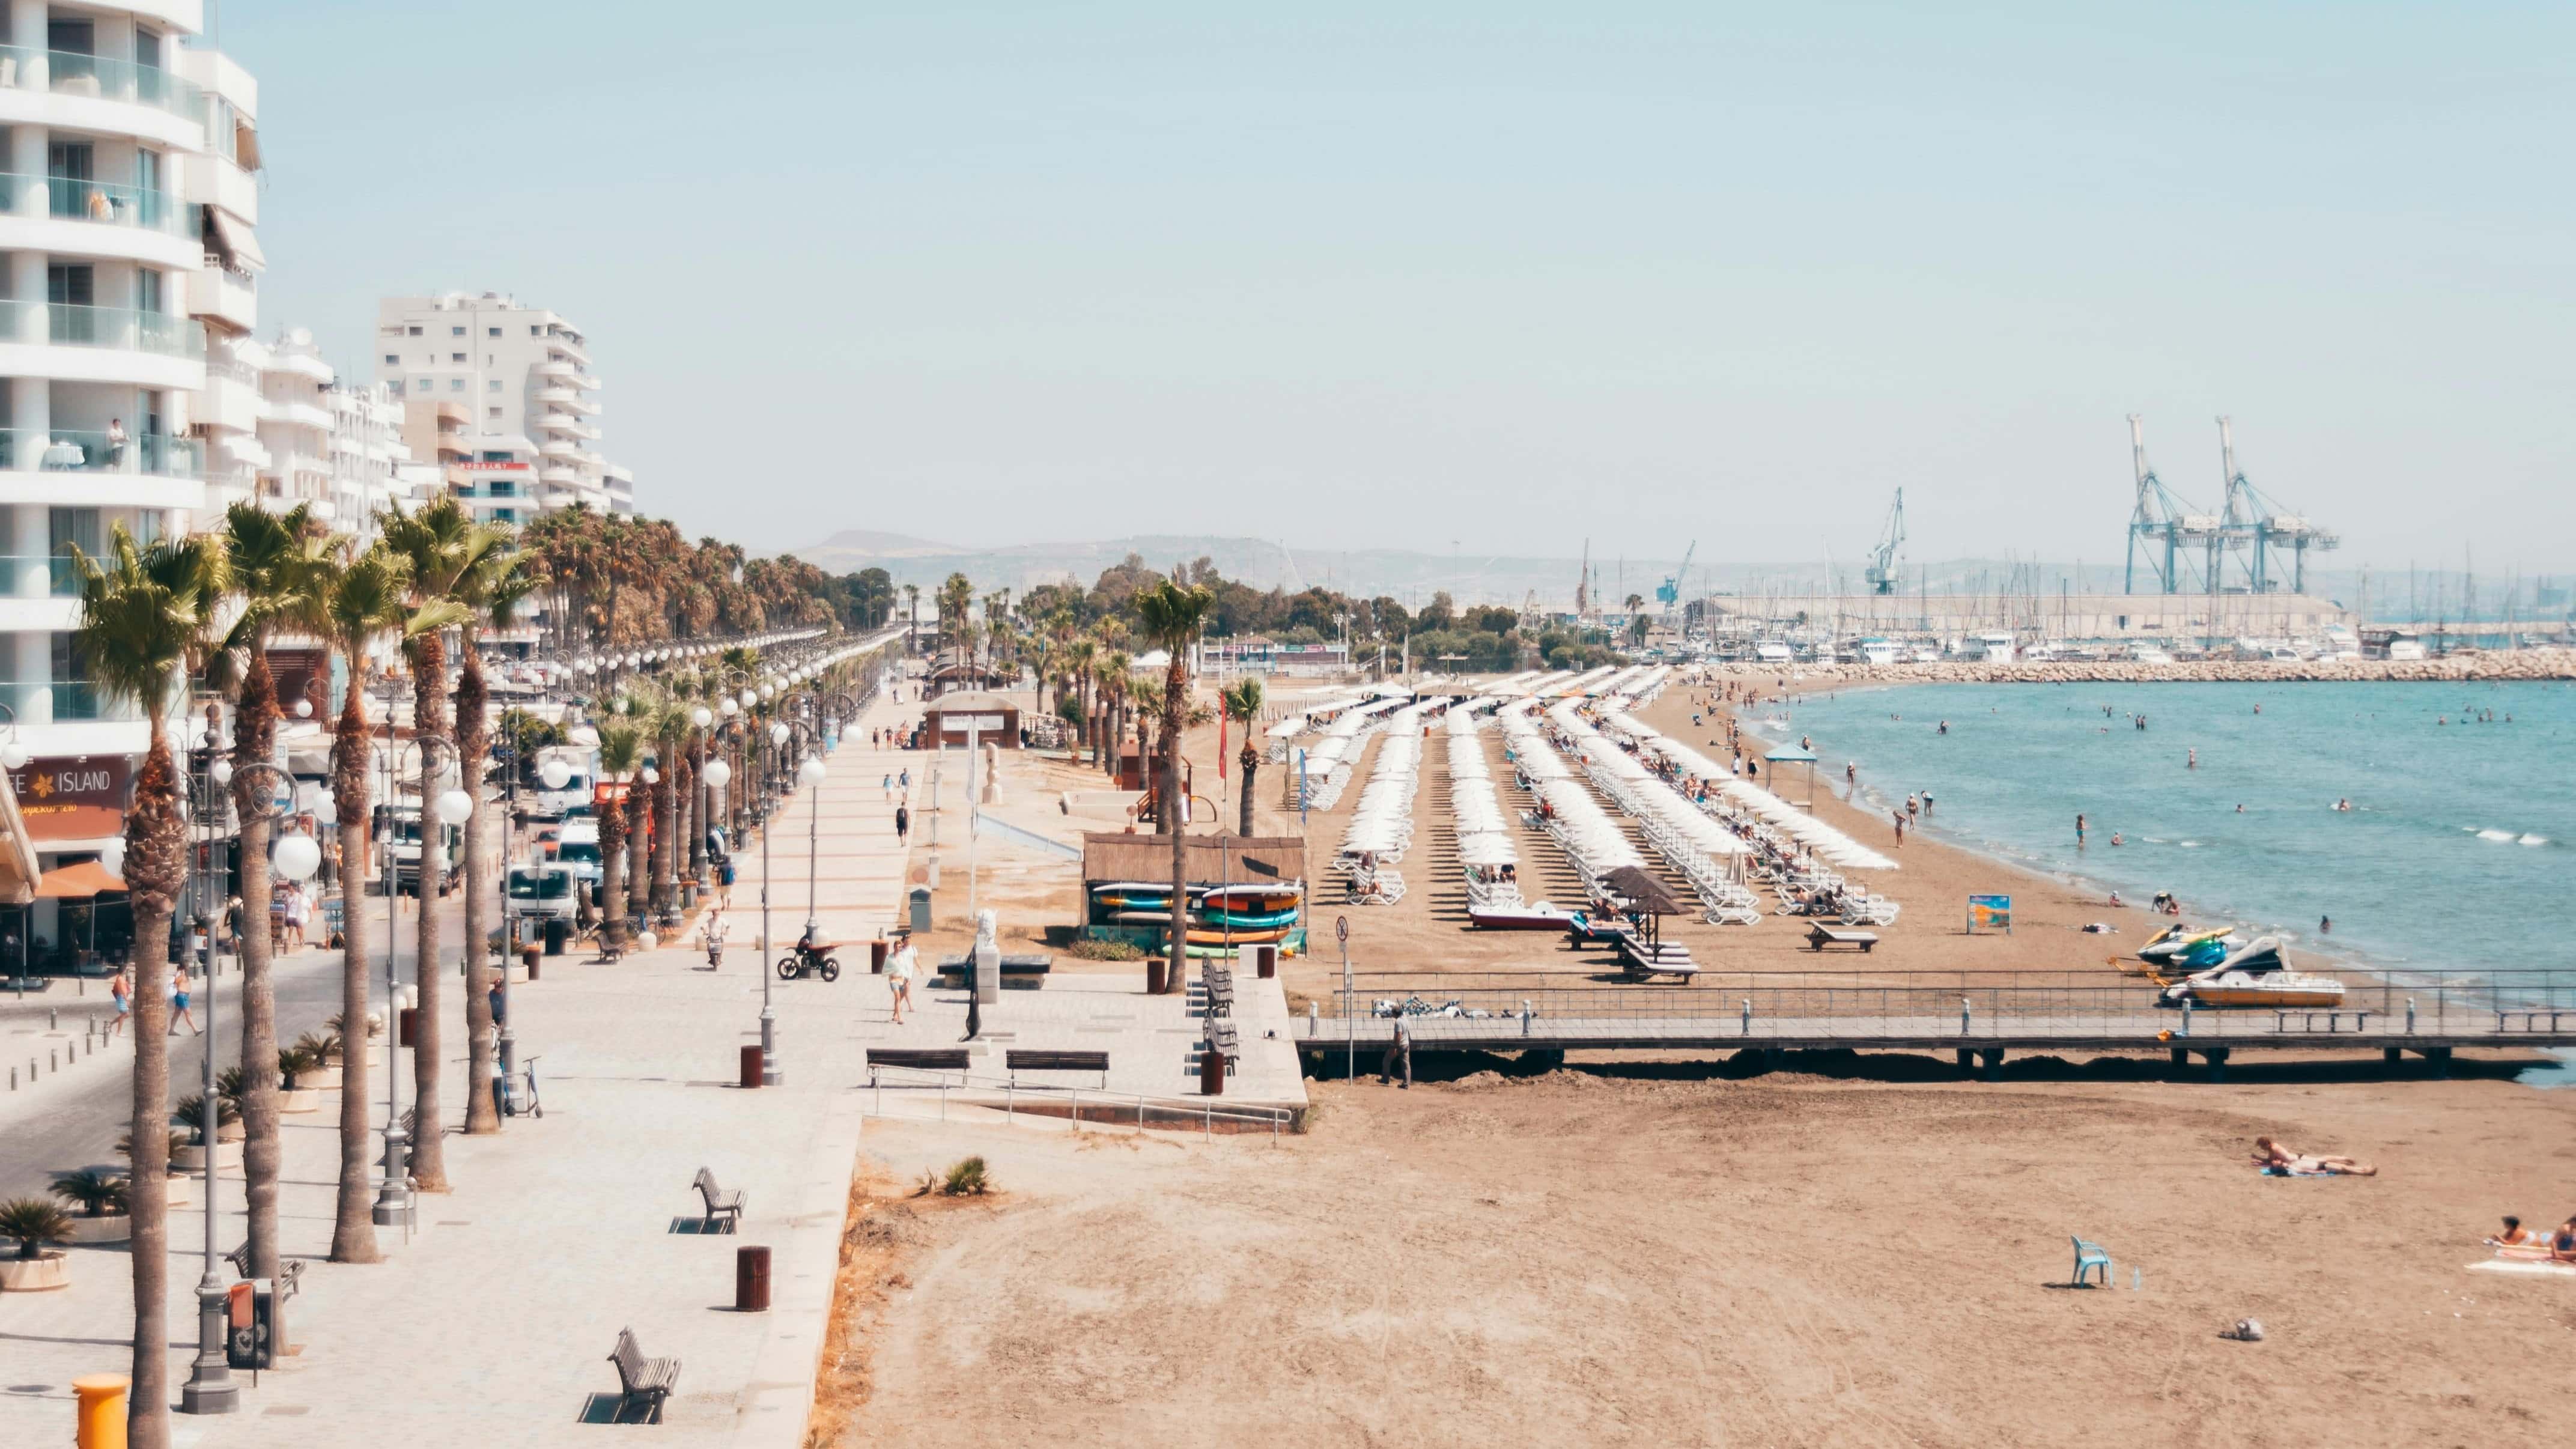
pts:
[77, 882]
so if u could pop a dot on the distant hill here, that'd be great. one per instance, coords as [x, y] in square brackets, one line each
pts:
[857, 548]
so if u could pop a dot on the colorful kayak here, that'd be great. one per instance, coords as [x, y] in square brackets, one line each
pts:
[1252, 898]
[1241, 920]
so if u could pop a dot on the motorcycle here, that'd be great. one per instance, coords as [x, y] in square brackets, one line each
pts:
[809, 960]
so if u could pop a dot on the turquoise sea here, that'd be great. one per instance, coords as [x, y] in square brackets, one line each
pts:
[2458, 855]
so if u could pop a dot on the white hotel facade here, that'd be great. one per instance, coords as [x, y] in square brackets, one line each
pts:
[502, 396]
[127, 215]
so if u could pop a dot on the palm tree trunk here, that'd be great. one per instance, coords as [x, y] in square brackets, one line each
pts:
[1251, 760]
[353, 1228]
[697, 812]
[474, 747]
[428, 1060]
[639, 844]
[254, 741]
[155, 867]
[666, 842]
[612, 876]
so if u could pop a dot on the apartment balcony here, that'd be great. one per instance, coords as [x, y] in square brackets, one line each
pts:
[226, 296]
[556, 369]
[300, 414]
[569, 423]
[72, 217]
[99, 93]
[231, 399]
[559, 448]
[563, 346]
[101, 344]
[564, 397]
[559, 475]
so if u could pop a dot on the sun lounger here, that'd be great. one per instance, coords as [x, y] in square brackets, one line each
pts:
[1819, 937]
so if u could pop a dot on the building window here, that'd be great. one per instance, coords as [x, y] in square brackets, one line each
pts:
[392, 360]
[394, 388]
[426, 384]
[492, 332]
[415, 332]
[455, 331]
[456, 357]
[456, 384]
[492, 412]
[493, 386]
[536, 332]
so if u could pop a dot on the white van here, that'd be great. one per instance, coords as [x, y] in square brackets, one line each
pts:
[577, 789]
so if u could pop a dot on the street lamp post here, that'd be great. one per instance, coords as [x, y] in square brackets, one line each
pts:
[210, 1388]
[393, 1192]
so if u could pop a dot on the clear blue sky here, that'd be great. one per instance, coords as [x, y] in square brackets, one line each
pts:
[1389, 274]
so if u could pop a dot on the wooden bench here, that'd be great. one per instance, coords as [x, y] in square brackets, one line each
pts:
[647, 1381]
[720, 1203]
[1018, 1061]
[290, 1274]
[920, 1059]
[2531, 1017]
[2307, 1018]
[1819, 937]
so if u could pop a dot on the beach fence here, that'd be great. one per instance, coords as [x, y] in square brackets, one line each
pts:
[1980, 1013]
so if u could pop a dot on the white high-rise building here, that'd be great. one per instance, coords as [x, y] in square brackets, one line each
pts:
[126, 216]
[334, 447]
[522, 377]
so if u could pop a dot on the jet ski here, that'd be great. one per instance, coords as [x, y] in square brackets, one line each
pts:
[2254, 975]
[2179, 949]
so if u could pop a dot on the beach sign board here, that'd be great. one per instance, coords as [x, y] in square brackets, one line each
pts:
[1990, 911]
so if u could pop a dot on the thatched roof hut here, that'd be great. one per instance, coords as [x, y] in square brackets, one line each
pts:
[1209, 859]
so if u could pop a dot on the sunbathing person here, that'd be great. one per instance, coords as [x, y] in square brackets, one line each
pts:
[2515, 1235]
[2274, 1155]
[2562, 1245]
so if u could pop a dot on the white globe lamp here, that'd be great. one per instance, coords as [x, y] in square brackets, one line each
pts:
[702, 717]
[296, 856]
[555, 774]
[718, 774]
[811, 774]
[454, 806]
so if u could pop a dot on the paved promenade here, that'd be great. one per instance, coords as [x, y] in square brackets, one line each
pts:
[490, 1324]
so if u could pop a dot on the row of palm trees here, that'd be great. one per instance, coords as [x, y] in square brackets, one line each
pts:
[203, 611]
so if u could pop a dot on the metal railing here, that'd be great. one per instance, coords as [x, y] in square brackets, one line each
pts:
[1861, 1002]
[71, 73]
[1113, 1108]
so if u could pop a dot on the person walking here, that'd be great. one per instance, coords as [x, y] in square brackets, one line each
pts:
[899, 969]
[121, 988]
[179, 1003]
[1927, 804]
[1900, 828]
[889, 787]
[1913, 809]
[902, 823]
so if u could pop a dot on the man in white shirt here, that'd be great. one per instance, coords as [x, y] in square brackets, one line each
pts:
[899, 978]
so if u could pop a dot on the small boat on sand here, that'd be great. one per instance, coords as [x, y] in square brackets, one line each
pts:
[2254, 975]
[1516, 917]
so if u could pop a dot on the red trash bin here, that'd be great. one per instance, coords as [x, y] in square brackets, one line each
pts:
[751, 1279]
[404, 1024]
[751, 1065]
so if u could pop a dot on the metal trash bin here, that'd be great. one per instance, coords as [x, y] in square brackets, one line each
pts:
[876, 958]
[1211, 1072]
[921, 910]
[1265, 961]
[751, 1280]
[558, 935]
[405, 1020]
[750, 1072]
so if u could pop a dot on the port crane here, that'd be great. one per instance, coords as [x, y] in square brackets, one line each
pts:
[1669, 592]
[2255, 526]
[2162, 523]
[1881, 573]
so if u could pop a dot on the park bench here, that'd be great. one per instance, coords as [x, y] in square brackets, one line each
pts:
[641, 1380]
[919, 1059]
[1018, 1061]
[720, 1203]
[1218, 983]
[290, 1274]
[1819, 937]
[952, 970]
[2307, 1018]
[1225, 1042]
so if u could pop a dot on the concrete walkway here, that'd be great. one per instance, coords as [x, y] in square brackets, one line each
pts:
[491, 1324]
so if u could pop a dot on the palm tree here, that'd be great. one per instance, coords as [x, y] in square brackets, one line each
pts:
[277, 565]
[621, 749]
[1078, 656]
[1243, 705]
[362, 604]
[490, 590]
[1173, 616]
[670, 726]
[441, 544]
[142, 613]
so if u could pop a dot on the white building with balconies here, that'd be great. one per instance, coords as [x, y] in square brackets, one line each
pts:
[522, 375]
[126, 216]
[331, 446]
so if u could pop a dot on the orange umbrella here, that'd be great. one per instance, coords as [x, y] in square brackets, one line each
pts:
[77, 882]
